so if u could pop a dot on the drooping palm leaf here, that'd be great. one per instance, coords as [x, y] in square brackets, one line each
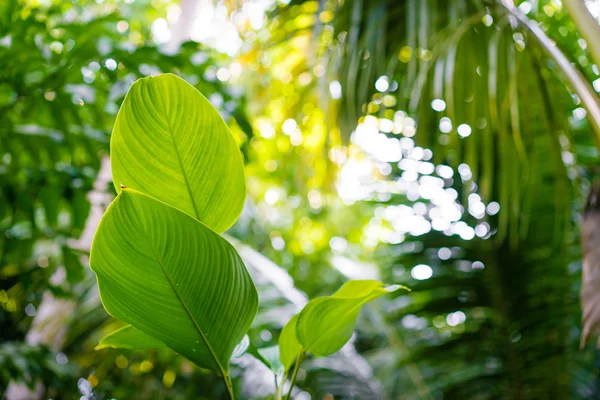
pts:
[498, 72]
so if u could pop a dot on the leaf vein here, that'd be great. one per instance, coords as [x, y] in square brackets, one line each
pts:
[185, 177]
[187, 310]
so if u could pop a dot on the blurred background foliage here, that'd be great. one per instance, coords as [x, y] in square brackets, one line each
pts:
[432, 143]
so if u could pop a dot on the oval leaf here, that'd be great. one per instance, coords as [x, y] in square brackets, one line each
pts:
[171, 143]
[128, 337]
[326, 324]
[173, 278]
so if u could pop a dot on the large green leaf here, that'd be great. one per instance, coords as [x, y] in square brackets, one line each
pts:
[171, 143]
[173, 278]
[128, 337]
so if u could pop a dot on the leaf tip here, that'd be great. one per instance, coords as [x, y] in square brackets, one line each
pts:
[393, 288]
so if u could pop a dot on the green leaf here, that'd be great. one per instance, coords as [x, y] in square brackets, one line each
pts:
[289, 347]
[326, 324]
[51, 196]
[241, 347]
[171, 143]
[130, 338]
[73, 266]
[270, 357]
[173, 278]
[81, 210]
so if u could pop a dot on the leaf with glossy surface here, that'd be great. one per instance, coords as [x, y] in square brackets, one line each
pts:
[171, 143]
[173, 278]
[326, 324]
[130, 338]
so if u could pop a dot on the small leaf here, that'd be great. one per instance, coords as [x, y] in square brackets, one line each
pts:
[50, 197]
[241, 348]
[289, 347]
[326, 324]
[128, 337]
[73, 266]
[271, 355]
[81, 209]
[173, 278]
[268, 356]
[171, 143]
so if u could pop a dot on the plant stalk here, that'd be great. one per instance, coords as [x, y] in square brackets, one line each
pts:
[586, 25]
[279, 387]
[294, 374]
[229, 386]
[577, 82]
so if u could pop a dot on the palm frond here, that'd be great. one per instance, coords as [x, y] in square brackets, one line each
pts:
[490, 90]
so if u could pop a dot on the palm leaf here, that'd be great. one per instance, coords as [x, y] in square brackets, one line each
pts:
[498, 72]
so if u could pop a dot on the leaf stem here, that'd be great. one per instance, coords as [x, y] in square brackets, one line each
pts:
[229, 386]
[577, 82]
[279, 388]
[295, 373]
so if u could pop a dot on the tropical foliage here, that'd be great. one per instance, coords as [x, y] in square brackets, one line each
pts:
[442, 145]
[161, 266]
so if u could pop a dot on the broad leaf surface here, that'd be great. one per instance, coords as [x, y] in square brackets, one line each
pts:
[326, 324]
[169, 142]
[173, 278]
[130, 338]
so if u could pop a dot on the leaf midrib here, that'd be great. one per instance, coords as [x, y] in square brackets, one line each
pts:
[185, 178]
[187, 310]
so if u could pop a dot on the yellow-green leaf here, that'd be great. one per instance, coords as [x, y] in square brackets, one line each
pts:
[170, 143]
[326, 323]
[128, 337]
